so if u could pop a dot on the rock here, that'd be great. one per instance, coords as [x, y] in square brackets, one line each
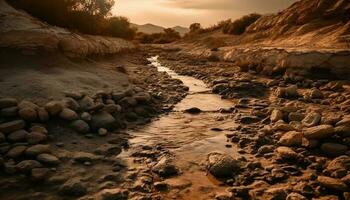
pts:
[344, 122]
[221, 165]
[54, 107]
[291, 138]
[37, 149]
[276, 115]
[68, 114]
[113, 194]
[112, 108]
[102, 120]
[127, 102]
[39, 174]
[16, 152]
[310, 143]
[332, 183]
[314, 94]
[71, 104]
[295, 196]
[102, 132]
[165, 168]
[286, 152]
[9, 112]
[319, 132]
[2, 138]
[118, 95]
[249, 119]
[330, 118]
[43, 115]
[48, 159]
[346, 179]
[8, 102]
[160, 186]
[27, 104]
[84, 157]
[296, 116]
[12, 126]
[28, 114]
[334, 149]
[17, 136]
[35, 138]
[86, 116]
[80, 126]
[73, 188]
[193, 110]
[224, 196]
[279, 126]
[39, 129]
[339, 163]
[143, 97]
[108, 150]
[288, 92]
[27, 165]
[86, 103]
[266, 149]
[311, 119]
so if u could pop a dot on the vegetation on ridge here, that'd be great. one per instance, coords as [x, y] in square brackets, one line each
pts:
[85, 16]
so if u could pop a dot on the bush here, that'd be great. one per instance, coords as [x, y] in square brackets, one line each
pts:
[239, 26]
[169, 35]
[85, 16]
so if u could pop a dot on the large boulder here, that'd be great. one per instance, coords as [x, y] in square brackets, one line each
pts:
[319, 132]
[102, 119]
[222, 165]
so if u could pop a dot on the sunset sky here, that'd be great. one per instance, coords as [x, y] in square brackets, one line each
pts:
[170, 13]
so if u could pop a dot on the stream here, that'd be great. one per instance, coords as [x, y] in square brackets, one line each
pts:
[190, 137]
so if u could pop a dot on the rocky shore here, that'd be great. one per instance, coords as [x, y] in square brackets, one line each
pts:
[57, 143]
[293, 133]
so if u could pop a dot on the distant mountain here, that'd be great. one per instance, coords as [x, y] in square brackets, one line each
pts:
[151, 28]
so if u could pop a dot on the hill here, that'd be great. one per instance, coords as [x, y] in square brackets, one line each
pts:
[306, 24]
[151, 28]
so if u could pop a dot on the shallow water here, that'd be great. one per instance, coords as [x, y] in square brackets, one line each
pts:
[190, 137]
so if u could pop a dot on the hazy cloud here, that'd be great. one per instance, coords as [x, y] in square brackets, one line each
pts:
[241, 5]
[169, 13]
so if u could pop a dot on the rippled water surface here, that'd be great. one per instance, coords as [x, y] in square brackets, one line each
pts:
[190, 137]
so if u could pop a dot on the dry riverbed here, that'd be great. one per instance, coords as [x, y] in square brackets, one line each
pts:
[172, 127]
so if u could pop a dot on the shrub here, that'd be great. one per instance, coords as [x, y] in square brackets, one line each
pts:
[167, 36]
[239, 26]
[85, 16]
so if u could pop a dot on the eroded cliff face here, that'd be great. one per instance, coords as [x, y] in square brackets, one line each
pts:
[22, 32]
[312, 23]
[310, 36]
